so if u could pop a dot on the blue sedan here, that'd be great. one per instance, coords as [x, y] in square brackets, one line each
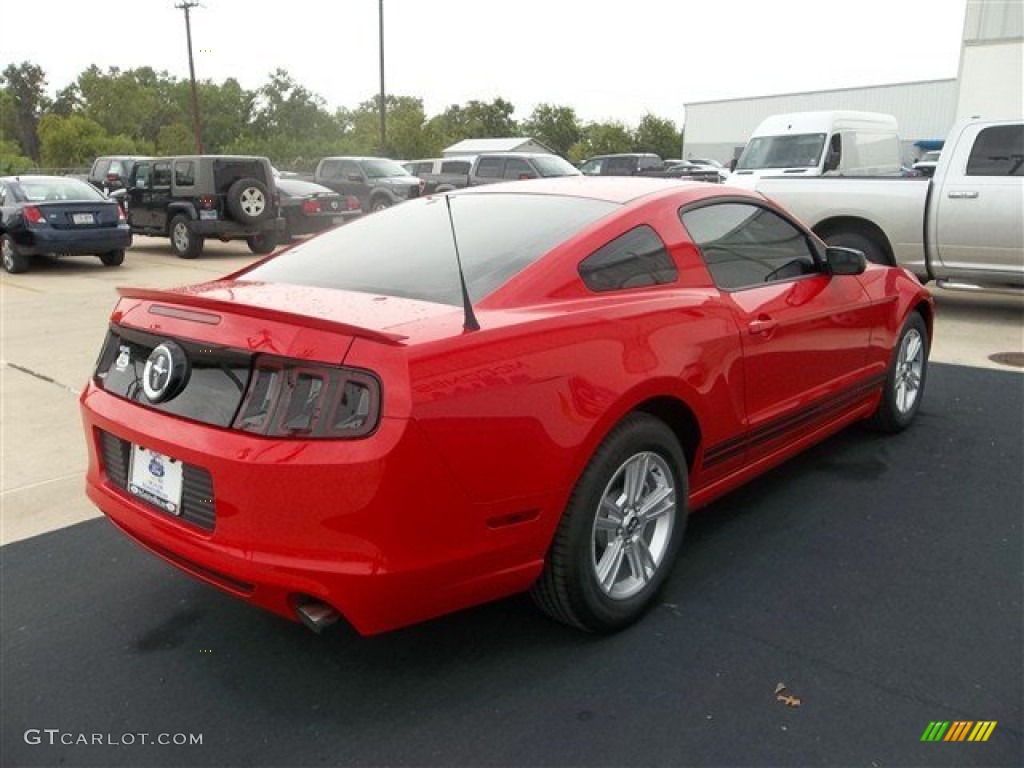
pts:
[59, 216]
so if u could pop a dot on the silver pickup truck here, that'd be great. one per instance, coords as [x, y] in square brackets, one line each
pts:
[964, 227]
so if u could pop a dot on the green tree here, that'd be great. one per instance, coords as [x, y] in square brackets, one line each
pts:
[406, 131]
[603, 139]
[11, 159]
[26, 84]
[135, 102]
[75, 141]
[557, 127]
[657, 135]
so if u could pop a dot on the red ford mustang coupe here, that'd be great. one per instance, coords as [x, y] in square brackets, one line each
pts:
[524, 386]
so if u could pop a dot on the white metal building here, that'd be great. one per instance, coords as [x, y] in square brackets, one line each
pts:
[487, 146]
[990, 83]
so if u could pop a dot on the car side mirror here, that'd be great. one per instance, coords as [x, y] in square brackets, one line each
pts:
[845, 261]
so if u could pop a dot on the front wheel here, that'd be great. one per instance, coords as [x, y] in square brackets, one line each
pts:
[904, 383]
[262, 244]
[112, 258]
[186, 244]
[621, 530]
[13, 262]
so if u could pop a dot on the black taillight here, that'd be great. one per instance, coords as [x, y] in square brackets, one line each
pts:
[289, 398]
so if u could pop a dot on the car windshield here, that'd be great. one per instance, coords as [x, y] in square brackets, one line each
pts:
[795, 151]
[381, 168]
[41, 190]
[552, 165]
[408, 250]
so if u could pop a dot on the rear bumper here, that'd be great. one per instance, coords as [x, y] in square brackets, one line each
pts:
[228, 230]
[35, 242]
[376, 527]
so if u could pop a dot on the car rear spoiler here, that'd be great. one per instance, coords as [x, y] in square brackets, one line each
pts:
[217, 305]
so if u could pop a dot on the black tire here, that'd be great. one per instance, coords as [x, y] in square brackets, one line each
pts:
[590, 540]
[873, 250]
[905, 380]
[380, 203]
[249, 201]
[112, 258]
[186, 244]
[263, 243]
[13, 262]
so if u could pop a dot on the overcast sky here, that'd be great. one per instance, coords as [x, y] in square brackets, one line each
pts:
[607, 59]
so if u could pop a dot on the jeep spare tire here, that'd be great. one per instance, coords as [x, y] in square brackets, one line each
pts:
[249, 201]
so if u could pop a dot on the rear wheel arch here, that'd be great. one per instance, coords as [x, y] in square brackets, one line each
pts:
[834, 231]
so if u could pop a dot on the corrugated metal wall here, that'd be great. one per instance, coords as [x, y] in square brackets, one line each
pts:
[925, 110]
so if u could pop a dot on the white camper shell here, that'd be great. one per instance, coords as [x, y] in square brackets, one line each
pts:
[835, 143]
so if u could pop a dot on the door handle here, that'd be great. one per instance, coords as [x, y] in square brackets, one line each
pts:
[763, 325]
[963, 194]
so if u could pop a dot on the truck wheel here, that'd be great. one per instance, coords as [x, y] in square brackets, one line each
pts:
[249, 201]
[262, 244]
[14, 262]
[186, 244]
[872, 250]
[112, 258]
[380, 203]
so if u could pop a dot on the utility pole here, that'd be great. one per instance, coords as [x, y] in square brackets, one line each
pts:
[383, 135]
[186, 6]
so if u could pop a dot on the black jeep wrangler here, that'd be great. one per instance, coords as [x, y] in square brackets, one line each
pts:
[193, 197]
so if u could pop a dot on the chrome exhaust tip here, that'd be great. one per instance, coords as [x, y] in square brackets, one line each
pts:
[316, 615]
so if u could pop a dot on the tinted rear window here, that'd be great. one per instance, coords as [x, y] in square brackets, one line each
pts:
[43, 189]
[407, 250]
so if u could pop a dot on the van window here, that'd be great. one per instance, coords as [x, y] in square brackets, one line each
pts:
[802, 150]
[998, 151]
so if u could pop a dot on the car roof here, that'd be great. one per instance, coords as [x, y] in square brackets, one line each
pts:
[612, 189]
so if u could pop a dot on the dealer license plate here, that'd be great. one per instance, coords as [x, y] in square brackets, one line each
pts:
[82, 218]
[156, 478]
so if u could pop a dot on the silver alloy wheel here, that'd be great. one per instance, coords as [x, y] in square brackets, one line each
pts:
[7, 248]
[633, 525]
[252, 201]
[181, 236]
[909, 368]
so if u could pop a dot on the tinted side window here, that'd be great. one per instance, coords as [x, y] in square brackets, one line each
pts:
[161, 174]
[998, 151]
[490, 167]
[330, 169]
[184, 173]
[350, 168]
[100, 170]
[142, 175]
[418, 169]
[455, 166]
[619, 166]
[632, 260]
[745, 245]
[517, 168]
[3, 195]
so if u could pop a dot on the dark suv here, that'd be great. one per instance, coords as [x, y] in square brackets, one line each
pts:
[193, 197]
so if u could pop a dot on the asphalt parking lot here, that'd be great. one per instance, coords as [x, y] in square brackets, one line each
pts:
[878, 579]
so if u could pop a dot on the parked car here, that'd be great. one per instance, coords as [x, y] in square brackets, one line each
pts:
[57, 215]
[696, 171]
[360, 427]
[192, 197]
[111, 173]
[928, 162]
[624, 164]
[377, 182]
[309, 208]
[442, 174]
